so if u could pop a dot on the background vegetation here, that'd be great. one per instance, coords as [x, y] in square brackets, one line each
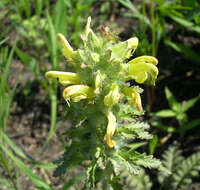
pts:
[32, 111]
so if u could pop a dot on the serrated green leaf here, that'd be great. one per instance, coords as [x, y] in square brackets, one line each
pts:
[136, 130]
[186, 170]
[90, 173]
[145, 161]
[137, 182]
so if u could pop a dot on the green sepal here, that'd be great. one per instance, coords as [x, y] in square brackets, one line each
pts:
[94, 43]
[119, 51]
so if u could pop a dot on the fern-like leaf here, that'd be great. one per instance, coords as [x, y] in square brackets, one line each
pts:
[137, 182]
[135, 131]
[171, 160]
[188, 169]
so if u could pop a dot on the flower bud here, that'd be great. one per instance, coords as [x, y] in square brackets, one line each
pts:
[78, 92]
[135, 97]
[113, 96]
[65, 78]
[132, 45]
[87, 28]
[111, 129]
[67, 50]
[98, 80]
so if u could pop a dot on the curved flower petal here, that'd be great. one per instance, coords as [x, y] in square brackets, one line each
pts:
[135, 97]
[124, 50]
[145, 58]
[78, 92]
[132, 45]
[65, 78]
[113, 96]
[142, 71]
[111, 129]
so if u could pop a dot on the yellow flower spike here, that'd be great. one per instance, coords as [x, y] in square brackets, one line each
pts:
[78, 92]
[141, 70]
[145, 58]
[111, 129]
[68, 51]
[113, 96]
[135, 98]
[65, 78]
[132, 45]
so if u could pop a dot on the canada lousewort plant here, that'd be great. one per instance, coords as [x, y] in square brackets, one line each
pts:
[103, 108]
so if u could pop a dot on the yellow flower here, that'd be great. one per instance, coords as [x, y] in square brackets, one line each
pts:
[144, 58]
[111, 129]
[135, 97]
[67, 50]
[113, 96]
[65, 78]
[132, 45]
[143, 68]
[124, 50]
[78, 92]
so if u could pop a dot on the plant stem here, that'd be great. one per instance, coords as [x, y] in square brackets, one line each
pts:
[153, 31]
[150, 90]
[143, 24]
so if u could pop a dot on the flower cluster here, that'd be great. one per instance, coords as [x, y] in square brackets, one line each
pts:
[101, 73]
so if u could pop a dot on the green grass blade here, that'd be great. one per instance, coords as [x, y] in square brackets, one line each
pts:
[53, 40]
[6, 183]
[188, 52]
[60, 17]
[185, 23]
[6, 97]
[53, 84]
[137, 14]
[38, 6]
[18, 151]
[39, 182]
[4, 77]
[27, 7]
[29, 61]
[4, 40]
